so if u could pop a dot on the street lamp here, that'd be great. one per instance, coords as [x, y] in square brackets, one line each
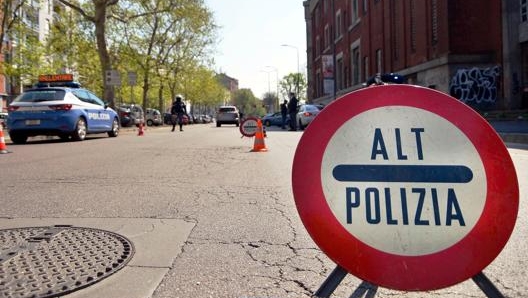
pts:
[277, 83]
[298, 69]
[269, 86]
[268, 72]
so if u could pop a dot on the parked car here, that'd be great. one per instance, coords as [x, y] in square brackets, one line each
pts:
[275, 119]
[131, 114]
[153, 117]
[3, 120]
[306, 114]
[167, 118]
[206, 118]
[58, 106]
[227, 115]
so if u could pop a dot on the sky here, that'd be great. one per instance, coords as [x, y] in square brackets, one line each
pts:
[251, 36]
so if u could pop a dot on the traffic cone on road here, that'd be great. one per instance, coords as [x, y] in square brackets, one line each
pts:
[3, 147]
[259, 145]
[141, 130]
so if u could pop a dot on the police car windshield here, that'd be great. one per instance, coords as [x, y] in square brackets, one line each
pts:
[41, 95]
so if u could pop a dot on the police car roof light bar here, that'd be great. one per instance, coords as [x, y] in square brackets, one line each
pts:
[57, 80]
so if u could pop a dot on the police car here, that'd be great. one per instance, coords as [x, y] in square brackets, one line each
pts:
[58, 106]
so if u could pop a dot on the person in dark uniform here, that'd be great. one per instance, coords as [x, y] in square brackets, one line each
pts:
[178, 109]
[284, 113]
[292, 110]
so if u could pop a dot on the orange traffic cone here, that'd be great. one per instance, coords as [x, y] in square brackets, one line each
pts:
[3, 147]
[141, 130]
[259, 145]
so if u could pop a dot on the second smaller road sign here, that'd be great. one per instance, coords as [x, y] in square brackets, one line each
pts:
[248, 127]
[405, 187]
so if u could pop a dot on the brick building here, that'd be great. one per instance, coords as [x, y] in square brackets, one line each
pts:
[470, 49]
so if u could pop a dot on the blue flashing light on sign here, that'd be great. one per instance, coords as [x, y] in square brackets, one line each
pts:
[403, 173]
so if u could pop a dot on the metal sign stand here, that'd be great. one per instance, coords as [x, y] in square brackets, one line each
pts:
[368, 290]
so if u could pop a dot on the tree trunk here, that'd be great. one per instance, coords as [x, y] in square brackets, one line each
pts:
[99, 20]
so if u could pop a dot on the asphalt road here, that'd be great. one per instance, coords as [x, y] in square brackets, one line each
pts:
[222, 217]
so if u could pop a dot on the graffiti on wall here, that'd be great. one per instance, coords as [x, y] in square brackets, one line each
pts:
[476, 85]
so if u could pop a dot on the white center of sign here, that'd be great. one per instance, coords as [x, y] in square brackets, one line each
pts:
[403, 180]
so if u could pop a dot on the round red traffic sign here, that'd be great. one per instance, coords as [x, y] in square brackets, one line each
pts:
[248, 127]
[405, 187]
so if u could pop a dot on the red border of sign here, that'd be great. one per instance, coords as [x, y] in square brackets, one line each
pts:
[445, 268]
[242, 126]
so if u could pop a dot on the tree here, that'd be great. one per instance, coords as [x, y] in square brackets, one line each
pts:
[69, 48]
[10, 15]
[289, 84]
[164, 38]
[271, 101]
[24, 59]
[201, 89]
[97, 14]
[23, 50]
[247, 103]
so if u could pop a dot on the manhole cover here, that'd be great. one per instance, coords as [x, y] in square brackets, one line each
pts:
[56, 260]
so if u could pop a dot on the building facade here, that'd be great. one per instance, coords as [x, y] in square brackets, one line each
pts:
[475, 55]
[37, 17]
[230, 84]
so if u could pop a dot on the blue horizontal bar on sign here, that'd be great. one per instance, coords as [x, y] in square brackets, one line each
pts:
[403, 173]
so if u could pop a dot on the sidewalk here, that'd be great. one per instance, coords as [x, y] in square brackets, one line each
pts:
[512, 131]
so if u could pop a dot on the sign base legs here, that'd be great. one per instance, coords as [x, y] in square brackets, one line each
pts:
[487, 286]
[368, 290]
[328, 287]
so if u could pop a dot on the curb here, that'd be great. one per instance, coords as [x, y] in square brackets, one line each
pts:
[519, 138]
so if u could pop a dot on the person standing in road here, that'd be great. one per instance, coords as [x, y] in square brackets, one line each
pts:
[292, 110]
[284, 113]
[178, 109]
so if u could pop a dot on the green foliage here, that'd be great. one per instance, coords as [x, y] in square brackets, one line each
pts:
[26, 63]
[270, 101]
[247, 103]
[166, 43]
[293, 82]
[70, 49]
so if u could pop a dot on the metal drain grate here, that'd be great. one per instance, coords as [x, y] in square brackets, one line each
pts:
[52, 261]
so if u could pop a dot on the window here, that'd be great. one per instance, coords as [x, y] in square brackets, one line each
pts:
[338, 25]
[317, 17]
[524, 10]
[317, 46]
[318, 84]
[379, 66]
[434, 21]
[94, 99]
[82, 95]
[365, 5]
[354, 16]
[355, 66]
[41, 95]
[339, 72]
[326, 36]
[366, 72]
[413, 26]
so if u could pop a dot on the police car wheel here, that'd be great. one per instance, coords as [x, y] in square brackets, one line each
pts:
[79, 133]
[115, 129]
